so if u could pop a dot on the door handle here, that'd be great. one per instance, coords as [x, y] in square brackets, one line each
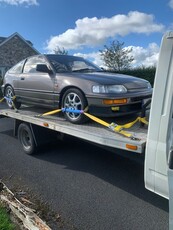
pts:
[22, 78]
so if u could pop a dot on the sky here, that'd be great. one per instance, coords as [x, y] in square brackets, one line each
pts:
[83, 27]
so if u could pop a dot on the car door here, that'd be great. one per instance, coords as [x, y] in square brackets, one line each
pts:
[36, 87]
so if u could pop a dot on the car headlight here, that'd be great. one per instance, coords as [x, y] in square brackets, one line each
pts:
[109, 89]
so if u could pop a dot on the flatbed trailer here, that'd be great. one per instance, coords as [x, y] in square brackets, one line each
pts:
[90, 131]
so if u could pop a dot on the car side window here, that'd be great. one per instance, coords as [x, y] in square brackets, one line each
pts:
[17, 68]
[31, 63]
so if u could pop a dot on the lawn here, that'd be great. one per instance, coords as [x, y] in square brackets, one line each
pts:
[5, 222]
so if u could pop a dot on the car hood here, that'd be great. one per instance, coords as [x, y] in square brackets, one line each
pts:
[104, 78]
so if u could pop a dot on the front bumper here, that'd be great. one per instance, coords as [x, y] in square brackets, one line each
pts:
[113, 111]
[134, 105]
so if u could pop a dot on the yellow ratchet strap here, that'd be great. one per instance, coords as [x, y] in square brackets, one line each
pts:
[1, 100]
[97, 119]
[118, 128]
[12, 99]
[114, 127]
[49, 113]
[130, 124]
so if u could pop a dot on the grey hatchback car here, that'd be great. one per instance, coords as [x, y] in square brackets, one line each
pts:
[64, 81]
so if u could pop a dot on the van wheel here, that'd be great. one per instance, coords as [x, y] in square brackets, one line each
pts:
[26, 138]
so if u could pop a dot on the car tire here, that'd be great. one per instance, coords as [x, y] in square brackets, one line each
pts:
[9, 93]
[26, 138]
[74, 99]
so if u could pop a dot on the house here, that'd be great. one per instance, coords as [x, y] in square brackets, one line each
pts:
[12, 50]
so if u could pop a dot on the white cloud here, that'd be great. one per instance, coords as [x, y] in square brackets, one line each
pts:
[145, 56]
[142, 56]
[171, 3]
[94, 57]
[94, 31]
[20, 2]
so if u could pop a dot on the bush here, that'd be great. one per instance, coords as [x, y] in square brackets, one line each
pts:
[147, 73]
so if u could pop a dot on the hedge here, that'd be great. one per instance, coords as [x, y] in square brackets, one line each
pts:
[147, 73]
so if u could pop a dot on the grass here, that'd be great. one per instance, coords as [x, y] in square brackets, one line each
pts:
[5, 222]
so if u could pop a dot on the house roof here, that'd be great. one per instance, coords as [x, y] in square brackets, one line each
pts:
[3, 40]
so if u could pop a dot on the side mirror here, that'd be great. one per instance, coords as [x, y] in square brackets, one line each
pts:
[103, 69]
[43, 68]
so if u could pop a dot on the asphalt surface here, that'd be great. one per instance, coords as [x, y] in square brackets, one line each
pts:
[92, 189]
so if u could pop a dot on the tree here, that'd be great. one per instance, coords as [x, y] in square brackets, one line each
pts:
[116, 57]
[61, 51]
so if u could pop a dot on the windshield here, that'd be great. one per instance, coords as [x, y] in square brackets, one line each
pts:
[65, 63]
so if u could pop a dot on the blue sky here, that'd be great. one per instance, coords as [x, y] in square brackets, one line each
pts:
[83, 27]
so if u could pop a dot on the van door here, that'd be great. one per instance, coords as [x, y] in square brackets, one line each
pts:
[160, 132]
[170, 182]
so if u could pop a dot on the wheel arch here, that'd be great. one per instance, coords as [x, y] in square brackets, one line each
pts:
[67, 88]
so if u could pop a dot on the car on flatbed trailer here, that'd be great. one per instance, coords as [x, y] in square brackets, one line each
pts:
[64, 81]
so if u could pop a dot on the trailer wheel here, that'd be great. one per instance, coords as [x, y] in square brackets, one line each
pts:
[26, 138]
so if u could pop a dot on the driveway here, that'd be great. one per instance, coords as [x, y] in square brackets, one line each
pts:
[90, 188]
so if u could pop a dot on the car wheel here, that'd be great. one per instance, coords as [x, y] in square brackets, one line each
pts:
[75, 100]
[9, 93]
[26, 139]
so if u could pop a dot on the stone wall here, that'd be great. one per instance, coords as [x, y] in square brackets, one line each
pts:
[14, 50]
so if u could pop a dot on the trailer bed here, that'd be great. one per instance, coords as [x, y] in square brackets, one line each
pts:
[90, 131]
